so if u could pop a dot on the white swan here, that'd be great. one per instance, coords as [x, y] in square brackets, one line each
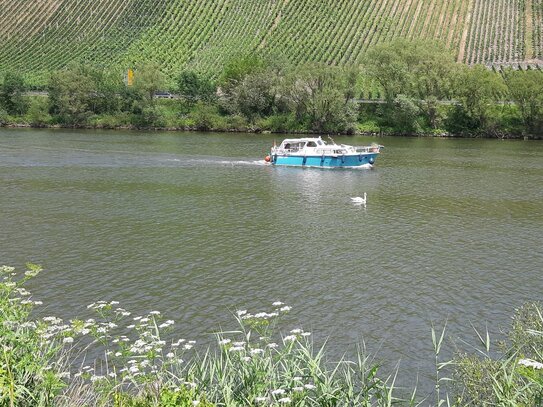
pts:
[359, 200]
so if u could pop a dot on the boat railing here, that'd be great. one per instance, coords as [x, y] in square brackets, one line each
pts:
[367, 149]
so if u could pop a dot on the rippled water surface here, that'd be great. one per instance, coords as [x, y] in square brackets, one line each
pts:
[195, 225]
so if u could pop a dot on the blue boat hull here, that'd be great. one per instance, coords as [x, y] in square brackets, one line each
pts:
[324, 161]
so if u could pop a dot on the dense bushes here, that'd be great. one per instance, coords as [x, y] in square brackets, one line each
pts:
[423, 90]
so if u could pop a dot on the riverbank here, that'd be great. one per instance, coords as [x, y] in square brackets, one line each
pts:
[263, 362]
[256, 130]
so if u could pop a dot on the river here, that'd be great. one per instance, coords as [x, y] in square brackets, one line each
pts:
[196, 226]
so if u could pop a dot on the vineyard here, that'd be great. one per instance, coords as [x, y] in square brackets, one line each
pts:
[39, 36]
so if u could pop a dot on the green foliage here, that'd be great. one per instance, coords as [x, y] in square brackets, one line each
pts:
[515, 378]
[183, 397]
[206, 117]
[238, 67]
[526, 90]
[30, 351]
[478, 89]
[148, 79]
[80, 91]
[404, 114]
[38, 114]
[321, 98]
[194, 87]
[420, 70]
[250, 365]
[11, 94]
[252, 96]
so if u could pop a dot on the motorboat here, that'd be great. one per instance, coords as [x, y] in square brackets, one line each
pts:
[315, 152]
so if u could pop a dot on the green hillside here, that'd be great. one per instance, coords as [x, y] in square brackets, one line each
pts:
[39, 36]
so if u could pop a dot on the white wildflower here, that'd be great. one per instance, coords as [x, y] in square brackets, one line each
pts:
[224, 342]
[309, 386]
[68, 339]
[195, 402]
[306, 333]
[236, 349]
[154, 313]
[298, 389]
[286, 308]
[284, 400]
[277, 304]
[242, 312]
[170, 355]
[241, 343]
[278, 391]
[296, 331]
[260, 399]
[288, 338]
[257, 351]
[31, 273]
[530, 363]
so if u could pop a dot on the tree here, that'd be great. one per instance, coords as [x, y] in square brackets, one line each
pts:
[148, 79]
[526, 90]
[70, 94]
[11, 94]
[405, 114]
[418, 69]
[238, 67]
[321, 97]
[194, 87]
[478, 89]
[253, 96]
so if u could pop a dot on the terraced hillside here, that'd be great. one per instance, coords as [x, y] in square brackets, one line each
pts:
[37, 36]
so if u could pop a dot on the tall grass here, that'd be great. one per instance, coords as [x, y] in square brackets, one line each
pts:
[43, 362]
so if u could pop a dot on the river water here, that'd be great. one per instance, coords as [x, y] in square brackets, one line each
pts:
[196, 226]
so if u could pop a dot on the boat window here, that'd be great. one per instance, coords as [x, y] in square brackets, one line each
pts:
[311, 144]
[319, 142]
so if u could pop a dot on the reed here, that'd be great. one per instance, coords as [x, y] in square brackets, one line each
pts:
[43, 362]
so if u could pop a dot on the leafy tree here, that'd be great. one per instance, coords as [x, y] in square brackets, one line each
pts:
[387, 63]
[237, 68]
[420, 70]
[478, 89]
[405, 114]
[70, 94]
[321, 97]
[253, 96]
[11, 94]
[194, 87]
[526, 90]
[148, 79]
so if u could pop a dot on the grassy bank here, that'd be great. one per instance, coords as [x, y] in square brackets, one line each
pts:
[261, 363]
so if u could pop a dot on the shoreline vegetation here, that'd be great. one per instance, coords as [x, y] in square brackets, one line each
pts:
[44, 362]
[405, 87]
